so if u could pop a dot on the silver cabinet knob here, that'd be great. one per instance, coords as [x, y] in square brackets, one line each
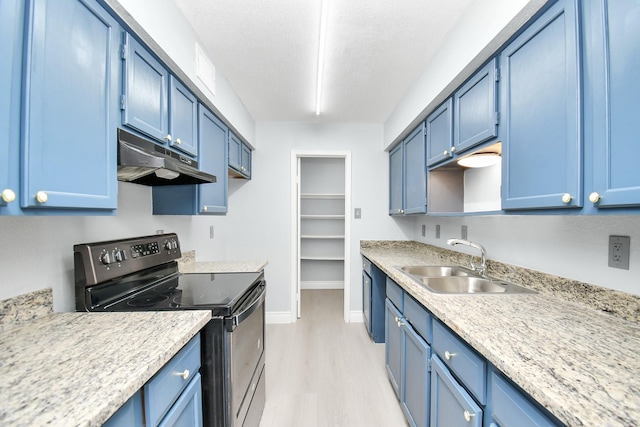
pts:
[8, 195]
[204, 209]
[184, 374]
[448, 355]
[453, 149]
[41, 197]
[178, 141]
[445, 152]
[566, 198]
[168, 137]
[594, 197]
[468, 415]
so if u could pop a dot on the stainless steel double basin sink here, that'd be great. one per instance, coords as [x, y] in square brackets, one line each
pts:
[459, 280]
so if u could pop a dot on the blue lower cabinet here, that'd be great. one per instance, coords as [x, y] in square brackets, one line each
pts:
[129, 415]
[415, 378]
[70, 106]
[187, 411]
[451, 405]
[511, 408]
[394, 342]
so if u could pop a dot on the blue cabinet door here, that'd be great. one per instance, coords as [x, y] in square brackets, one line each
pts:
[451, 405]
[183, 124]
[366, 300]
[146, 89]
[235, 152]
[11, 31]
[245, 161]
[440, 133]
[612, 54]
[129, 415]
[415, 172]
[476, 114]
[203, 198]
[541, 105]
[396, 181]
[416, 390]
[187, 411]
[213, 136]
[393, 345]
[72, 76]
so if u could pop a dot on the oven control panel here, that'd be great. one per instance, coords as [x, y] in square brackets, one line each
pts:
[103, 261]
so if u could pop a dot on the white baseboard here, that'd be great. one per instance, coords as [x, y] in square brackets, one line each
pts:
[356, 317]
[321, 284]
[280, 317]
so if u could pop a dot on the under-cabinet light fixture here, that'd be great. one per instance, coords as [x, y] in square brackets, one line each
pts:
[480, 160]
[321, 49]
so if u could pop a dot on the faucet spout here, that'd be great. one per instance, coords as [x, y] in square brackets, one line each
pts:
[482, 268]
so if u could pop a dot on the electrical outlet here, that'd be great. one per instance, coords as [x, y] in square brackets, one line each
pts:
[619, 252]
[357, 213]
[438, 231]
[463, 232]
[159, 231]
[211, 231]
[424, 230]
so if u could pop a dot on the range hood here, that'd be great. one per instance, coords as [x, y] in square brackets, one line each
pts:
[143, 162]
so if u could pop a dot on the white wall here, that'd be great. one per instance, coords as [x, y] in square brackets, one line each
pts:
[165, 23]
[570, 246]
[485, 25]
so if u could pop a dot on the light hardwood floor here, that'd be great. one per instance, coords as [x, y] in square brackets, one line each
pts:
[324, 372]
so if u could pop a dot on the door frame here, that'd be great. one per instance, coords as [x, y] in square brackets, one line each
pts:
[296, 155]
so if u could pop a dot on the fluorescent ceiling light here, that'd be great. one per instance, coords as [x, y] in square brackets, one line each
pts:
[480, 160]
[321, 43]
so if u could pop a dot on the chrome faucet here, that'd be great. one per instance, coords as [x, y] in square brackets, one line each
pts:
[482, 268]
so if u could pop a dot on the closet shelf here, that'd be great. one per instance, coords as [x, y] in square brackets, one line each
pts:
[321, 216]
[322, 195]
[317, 236]
[322, 258]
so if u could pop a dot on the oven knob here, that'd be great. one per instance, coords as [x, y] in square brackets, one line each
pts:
[167, 245]
[119, 255]
[174, 244]
[105, 258]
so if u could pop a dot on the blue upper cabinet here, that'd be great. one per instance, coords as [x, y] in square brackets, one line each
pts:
[396, 184]
[70, 106]
[440, 134]
[239, 157]
[476, 113]
[612, 100]
[202, 198]
[11, 30]
[183, 118]
[408, 175]
[415, 172]
[145, 101]
[540, 107]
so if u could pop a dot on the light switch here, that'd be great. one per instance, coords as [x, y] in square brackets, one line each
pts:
[357, 214]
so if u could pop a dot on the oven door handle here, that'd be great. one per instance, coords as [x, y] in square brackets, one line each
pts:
[240, 317]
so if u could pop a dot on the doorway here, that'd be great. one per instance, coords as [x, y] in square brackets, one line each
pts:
[321, 201]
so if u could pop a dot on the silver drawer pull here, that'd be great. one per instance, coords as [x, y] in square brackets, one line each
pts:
[184, 374]
[468, 415]
[448, 356]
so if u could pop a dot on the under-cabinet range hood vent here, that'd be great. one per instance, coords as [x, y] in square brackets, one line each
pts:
[143, 162]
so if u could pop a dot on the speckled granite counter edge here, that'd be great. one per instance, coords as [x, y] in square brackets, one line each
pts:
[612, 302]
[25, 308]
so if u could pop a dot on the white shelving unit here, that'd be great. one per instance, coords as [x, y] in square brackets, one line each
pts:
[322, 223]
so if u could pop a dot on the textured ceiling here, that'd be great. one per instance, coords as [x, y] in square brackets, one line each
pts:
[375, 50]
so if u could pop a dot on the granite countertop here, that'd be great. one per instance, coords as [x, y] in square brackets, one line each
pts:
[580, 363]
[77, 369]
[188, 264]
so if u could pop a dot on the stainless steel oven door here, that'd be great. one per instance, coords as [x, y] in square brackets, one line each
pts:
[246, 346]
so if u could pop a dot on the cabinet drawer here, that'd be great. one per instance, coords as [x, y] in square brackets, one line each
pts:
[188, 409]
[464, 363]
[395, 294]
[366, 266]
[419, 318]
[511, 408]
[165, 387]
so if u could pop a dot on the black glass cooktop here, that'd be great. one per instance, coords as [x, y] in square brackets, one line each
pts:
[219, 292]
